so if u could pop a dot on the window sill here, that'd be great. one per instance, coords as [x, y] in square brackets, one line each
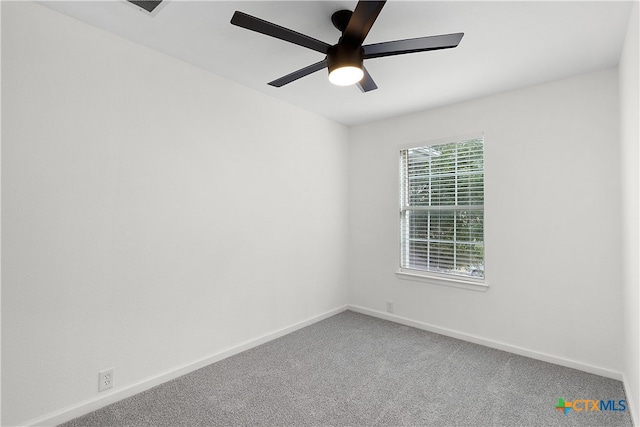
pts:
[462, 283]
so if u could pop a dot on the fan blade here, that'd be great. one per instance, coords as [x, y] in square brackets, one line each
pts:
[299, 74]
[261, 26]
[361, 21]
[420, 44]
[367, 84]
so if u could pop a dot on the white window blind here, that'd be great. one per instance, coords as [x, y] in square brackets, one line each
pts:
[442, 208]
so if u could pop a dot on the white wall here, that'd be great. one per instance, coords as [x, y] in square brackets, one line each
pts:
[153, 214]
[552, 229]
[629, 72]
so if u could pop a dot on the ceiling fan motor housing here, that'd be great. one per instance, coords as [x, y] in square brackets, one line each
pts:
[342, 55]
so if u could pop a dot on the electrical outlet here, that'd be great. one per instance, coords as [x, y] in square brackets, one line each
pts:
[389, 307]
[105, 379]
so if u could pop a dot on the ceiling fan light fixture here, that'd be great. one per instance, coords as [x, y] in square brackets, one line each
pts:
[344, 59]
[346, 76]
[345, 64]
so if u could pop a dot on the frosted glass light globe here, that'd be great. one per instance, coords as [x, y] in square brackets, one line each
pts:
[345, 76]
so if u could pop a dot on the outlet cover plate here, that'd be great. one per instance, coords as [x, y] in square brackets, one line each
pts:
[105, 379]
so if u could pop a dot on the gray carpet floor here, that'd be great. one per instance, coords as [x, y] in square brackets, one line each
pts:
[356, 370]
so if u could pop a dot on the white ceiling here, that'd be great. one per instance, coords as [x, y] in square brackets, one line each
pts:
[506, 45]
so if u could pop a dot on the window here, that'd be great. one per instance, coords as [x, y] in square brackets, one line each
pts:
[442, 209]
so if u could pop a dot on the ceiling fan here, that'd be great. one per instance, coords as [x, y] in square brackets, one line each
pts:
[345, 59]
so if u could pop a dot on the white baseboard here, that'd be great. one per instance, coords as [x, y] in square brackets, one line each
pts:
[90, 405]
[490, 343]
[630, 401]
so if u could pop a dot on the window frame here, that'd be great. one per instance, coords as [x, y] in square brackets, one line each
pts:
[444, 279]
